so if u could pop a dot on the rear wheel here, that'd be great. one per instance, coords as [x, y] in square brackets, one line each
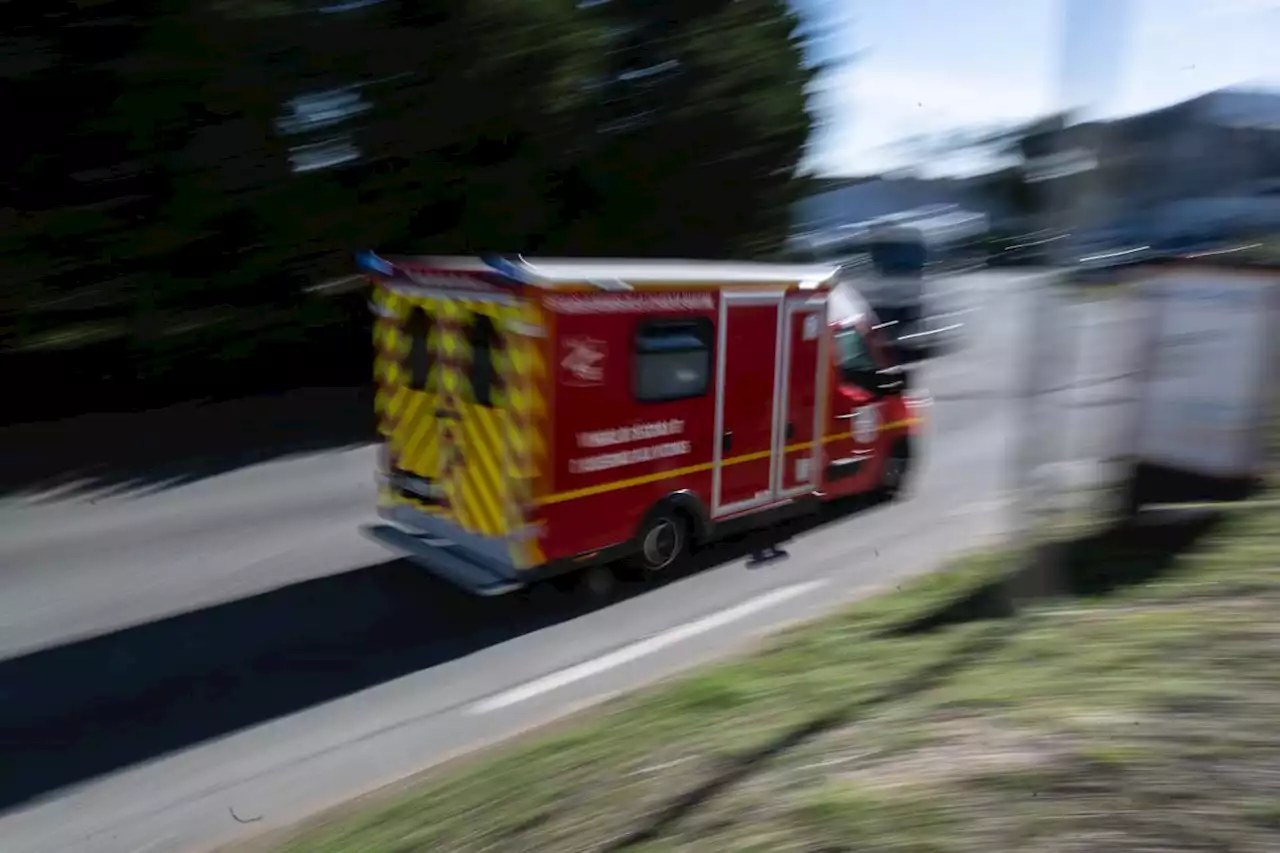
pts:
[663, 542]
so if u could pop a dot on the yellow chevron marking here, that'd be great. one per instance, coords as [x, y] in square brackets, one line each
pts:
[501, 447]
[484, 466]
[421, 436]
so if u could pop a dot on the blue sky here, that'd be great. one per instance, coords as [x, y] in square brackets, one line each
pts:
[930, 66]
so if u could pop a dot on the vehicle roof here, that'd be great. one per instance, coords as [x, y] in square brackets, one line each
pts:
[640, 271]
[556, 271]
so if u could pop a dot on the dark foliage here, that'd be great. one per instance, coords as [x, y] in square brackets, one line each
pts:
[181, 171]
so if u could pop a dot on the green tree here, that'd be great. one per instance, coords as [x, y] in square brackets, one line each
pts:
[701, 123]
[208, 158]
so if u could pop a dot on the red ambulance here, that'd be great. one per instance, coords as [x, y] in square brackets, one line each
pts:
[544, 416]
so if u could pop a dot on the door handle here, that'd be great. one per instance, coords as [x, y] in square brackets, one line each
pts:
[847, 417]
[726, 441]
[791, 430]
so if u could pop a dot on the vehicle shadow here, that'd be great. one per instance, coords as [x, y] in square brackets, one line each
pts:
[167, 447]
[76, 711]
[88, 708]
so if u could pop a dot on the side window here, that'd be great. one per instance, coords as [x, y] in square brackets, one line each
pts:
[672, 360]
[419, 361]
[482, 375]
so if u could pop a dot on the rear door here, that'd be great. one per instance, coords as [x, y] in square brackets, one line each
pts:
[474, 416]
[443, 402]
[408, 380]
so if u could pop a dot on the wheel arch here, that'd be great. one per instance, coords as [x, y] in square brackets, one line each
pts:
[687, 504]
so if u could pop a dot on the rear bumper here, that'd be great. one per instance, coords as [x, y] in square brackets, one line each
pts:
[480, 568]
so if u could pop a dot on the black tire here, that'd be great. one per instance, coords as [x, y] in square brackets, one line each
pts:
[663, 542]
[597, 584]
[897, 468]
[593, 584]
[565, 584]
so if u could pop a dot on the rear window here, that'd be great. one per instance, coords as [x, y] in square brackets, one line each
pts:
[482, 373]
[419, 359]
[672, 360]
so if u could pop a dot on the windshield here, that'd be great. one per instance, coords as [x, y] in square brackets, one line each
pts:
[852, 355]
[898, 257]
[844, 305]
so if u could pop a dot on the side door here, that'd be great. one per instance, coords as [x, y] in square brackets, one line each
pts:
[853, 425]
[804, 397]
[748, 395]
[474, 436]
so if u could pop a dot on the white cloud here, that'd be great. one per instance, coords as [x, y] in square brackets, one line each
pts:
[875, 109]
[1173, 49]
[1240, 8]
[1179, 52]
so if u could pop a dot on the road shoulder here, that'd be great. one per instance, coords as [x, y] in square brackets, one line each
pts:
[880, 728]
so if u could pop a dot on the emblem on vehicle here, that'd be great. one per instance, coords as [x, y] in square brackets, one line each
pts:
[582, 361]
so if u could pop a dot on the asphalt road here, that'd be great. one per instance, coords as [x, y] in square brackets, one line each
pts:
[195, 661]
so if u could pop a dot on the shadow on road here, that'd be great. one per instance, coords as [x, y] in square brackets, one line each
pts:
[80, 710]
[73, 712]
[162, 448]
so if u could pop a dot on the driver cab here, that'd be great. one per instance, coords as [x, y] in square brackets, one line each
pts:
[870, 419]
[864, 357]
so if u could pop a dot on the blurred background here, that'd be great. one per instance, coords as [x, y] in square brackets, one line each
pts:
[190, 622]
[193, 178]
[190, 179]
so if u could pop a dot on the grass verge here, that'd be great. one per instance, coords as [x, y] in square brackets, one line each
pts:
[1137, 715]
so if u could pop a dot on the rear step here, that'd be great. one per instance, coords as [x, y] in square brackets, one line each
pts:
[440, 558]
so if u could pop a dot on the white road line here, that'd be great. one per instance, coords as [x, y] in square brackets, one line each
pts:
[642, 648]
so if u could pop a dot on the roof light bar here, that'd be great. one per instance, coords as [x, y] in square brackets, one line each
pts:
[370, 262]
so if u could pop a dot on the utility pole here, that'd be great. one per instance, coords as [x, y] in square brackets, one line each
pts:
[1066, 173]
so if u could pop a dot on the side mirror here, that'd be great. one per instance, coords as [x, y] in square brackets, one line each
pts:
[894, 380]
[890, 385]
[880, 383]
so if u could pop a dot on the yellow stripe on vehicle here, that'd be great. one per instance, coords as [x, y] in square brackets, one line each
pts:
[658, 476]
[522, 370]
